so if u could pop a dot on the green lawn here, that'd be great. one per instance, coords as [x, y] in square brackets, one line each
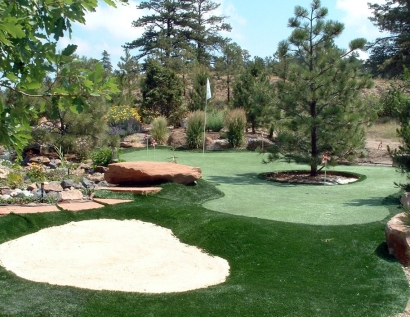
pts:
[279, 266]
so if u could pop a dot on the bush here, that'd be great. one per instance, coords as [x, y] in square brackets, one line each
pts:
[36, 173]
[215, 120]
[102, 157]
[123, 120]
[15, 180]
[235, 124]
[195, 129]
[159, 130]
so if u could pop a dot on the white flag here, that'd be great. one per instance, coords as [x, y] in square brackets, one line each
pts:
[208, 90]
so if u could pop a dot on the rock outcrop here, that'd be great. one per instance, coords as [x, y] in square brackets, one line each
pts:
[149, 173]
[398, 238]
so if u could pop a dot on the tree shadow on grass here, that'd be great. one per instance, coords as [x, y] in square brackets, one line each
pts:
[390, 201]
[245, 179]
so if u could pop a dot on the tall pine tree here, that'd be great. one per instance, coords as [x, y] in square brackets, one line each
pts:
[318, 96]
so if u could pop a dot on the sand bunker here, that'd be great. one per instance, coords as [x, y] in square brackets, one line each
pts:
[129, 256]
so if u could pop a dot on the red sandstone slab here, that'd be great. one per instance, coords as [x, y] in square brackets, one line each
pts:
[107, 201]
[5, 210]
[79, 206]
[134, 190]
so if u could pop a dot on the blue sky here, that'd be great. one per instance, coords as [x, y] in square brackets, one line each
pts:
[257, 25]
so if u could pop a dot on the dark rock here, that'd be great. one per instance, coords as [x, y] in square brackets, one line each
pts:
[67, 183]
[86, 183]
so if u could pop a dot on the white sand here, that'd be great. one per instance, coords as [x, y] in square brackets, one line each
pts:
[129, 256]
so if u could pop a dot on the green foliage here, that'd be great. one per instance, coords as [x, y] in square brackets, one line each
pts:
[235, 124]
[178, 28]
[195, 129]
[253, 93]
[215, 120]
[102, 157]
[159, 130]
[29, 32]
[15, 179]
[389, 54]
[318, 97]
[197, 94]
[36, 173]
[161, 90]
[123, 120]
[400, 102]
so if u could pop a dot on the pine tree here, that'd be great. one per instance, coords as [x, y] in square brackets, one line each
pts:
[161, 91]
[106, 61]
[318, 96]
[127, 79]
[390, 54]
[252, 92]
[163, 30]
[204, 29]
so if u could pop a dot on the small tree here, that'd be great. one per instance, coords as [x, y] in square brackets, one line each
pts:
[399, 105]
[161, 90]
[318, 94]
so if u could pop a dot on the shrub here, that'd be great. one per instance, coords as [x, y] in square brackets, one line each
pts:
[215, 120]
[159, 130]
[195, 129]
[15, 180]
[36, 173]
[235, 124]
[102, 157]
[123, 120]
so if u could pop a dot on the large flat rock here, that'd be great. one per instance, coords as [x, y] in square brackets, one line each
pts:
[148, 173]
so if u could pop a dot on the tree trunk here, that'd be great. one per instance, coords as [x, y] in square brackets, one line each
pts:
[313, 140]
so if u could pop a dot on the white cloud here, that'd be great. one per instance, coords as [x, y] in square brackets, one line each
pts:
[357, 15]
[115, 22]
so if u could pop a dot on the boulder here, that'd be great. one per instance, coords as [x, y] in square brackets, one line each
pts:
[52, 187]
[74, 194]
[148, 173]
[405, 199]
[398, 238]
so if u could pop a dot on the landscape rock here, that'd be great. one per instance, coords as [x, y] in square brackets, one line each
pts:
[405, 199]
[52, 187]
[398, 238]
[101, 169]
[96, 177]
[4, 171]
[147, 173]
[125, 145]
[74, 194]
[32, 186]
[67, 183]
[86, 183]
[39, 160]
[254, 143]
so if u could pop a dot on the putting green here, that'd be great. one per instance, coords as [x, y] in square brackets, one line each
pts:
[236, 175]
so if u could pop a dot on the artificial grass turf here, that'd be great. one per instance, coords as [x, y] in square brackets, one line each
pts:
[236, 174]
[277, 268]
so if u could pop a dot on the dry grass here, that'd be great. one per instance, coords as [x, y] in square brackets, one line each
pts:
[383, 129]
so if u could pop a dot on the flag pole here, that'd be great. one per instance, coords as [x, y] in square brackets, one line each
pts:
[203, 145]
[208, 96]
